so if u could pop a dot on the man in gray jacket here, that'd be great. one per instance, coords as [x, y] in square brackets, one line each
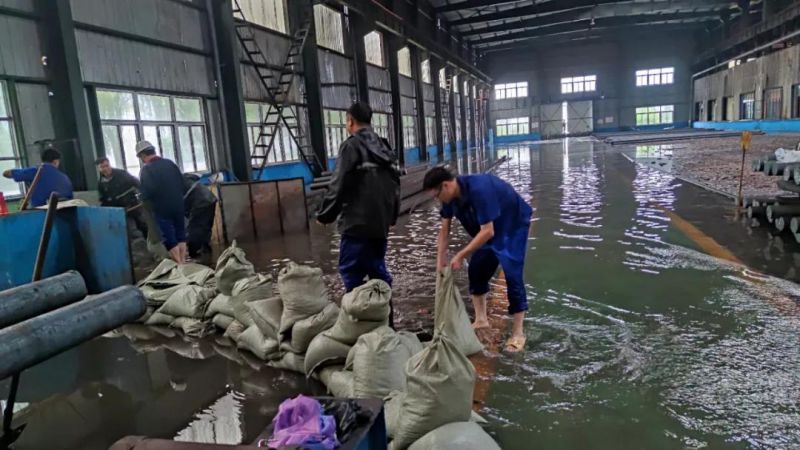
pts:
[364, 195]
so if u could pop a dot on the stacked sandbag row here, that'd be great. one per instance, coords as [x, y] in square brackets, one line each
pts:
[364, 309]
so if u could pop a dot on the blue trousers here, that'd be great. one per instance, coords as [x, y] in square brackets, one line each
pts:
[173, 229]
[361, 258]
[483, 265]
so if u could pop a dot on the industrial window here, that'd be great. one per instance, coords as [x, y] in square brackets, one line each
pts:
[380, 124]
[711, 111]
[430, 130]
[373, 45]
[284, 148]
[267, 13]
[747, 103]
[404, 61]
[426, 71]
[328, 24]
[174, 125]
[510, 127]
[455, 83]
[773, 103]
[409, 131]
[442, 78]
[796, 101]
[652, 77]
[571, 85]
[9, 157]
[445, 128]
[335, 130]
[655, 115]
[510, 90]
[466, 89]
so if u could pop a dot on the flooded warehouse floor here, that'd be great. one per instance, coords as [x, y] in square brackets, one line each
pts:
[657, 320]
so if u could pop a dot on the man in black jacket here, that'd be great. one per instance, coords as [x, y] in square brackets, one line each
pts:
[364, 195]
[118, 188]
[200, 207]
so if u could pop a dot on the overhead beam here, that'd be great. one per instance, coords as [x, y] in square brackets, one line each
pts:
[539, 8]
[472, 4]
[711, 6]
[582, 36]
[590, 24]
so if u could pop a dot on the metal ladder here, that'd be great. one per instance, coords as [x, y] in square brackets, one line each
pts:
[277, 86]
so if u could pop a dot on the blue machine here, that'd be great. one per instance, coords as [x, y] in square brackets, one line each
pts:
[91, 240]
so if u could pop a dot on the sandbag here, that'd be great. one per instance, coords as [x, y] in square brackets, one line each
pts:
[324, 351]
[235, 329]
[392, 405]
[379, 359]
[266, 315]
[348, 365]
[307, 329]
[156, 296]
[221, 304]
[456, 436]
[158, 318]
[222, 321]
[290, 361]
[340, 384]
[451, 315]
[168, 273]
[191, 327]
[303, 292]
[439, 385]
[147, 313]
[232, 266]
[325, 373]
[188, 301]
[368, 302]
[246, 290]
[347, 330]
[256, 343]
[410, 342]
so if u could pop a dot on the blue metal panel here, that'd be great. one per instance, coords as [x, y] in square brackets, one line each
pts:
[433, 155]
[517, 138]
[767, 126]
[93, 241]
[412, 156]
[286, 171]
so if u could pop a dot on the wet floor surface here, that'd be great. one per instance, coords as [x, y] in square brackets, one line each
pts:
[637, 337]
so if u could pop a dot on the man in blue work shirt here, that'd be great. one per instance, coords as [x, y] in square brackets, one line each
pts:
[498, 220]
[162, 187]
[51, 179]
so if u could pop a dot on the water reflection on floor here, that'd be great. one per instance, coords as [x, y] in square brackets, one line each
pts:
[636, 338]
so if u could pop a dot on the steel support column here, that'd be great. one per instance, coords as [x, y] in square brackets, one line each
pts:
[451, 112]
[472, 117]
[73, 128]
[230, 84]
[440, 114]
[463, 106]
[392, 46]
[357, 29]
[419, 92]
[313, 90]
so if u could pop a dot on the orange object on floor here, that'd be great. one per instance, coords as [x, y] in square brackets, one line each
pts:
[3, 205]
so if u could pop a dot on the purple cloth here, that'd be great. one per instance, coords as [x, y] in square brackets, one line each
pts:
[300, 422]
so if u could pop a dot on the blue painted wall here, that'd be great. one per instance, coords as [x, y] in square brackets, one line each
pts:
[517, 138]
[767, 126]
[412, 156]
[675, 125]
[433, 154]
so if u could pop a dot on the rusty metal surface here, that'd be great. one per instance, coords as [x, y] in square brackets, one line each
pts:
[236, 211]
[266, 212]
[293, 205]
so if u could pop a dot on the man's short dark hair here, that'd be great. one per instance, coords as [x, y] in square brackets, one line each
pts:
[51, 155]
[361, 113]
[435, 177]
[100, 160]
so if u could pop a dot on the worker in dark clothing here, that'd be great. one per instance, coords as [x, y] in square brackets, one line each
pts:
[50, 180]
[364, 194]
[119, 189]
[162, 187]
[200, 207]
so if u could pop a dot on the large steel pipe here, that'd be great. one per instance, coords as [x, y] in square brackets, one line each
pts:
[775, 211]
[30, 300]
[28, 343]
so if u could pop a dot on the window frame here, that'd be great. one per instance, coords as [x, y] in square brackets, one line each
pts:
[747, 106]
[16, 158]
[370, 54]
[409, 131]
[284, 149]
[772, 108]
[248, 13]
[578, 84]
[512, 126]
[654, 115]
[138, 124]
[319, 22]
[505, 91]
[655, 77]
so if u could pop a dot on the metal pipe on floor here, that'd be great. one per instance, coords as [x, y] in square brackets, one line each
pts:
[794, 224]
[796, 176]
[780, 224]
[28, 343]
[775, 211]
[30, 300]
[756, 211]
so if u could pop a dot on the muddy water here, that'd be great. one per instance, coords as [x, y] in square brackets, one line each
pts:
[637, 339]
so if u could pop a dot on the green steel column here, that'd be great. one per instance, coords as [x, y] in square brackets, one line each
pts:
[68, 103]
[230, 85]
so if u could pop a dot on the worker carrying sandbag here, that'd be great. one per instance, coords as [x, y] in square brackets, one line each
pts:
[364, 195]
[498, 220]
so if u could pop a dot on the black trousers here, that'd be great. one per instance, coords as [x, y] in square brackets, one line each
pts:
[198, 230]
